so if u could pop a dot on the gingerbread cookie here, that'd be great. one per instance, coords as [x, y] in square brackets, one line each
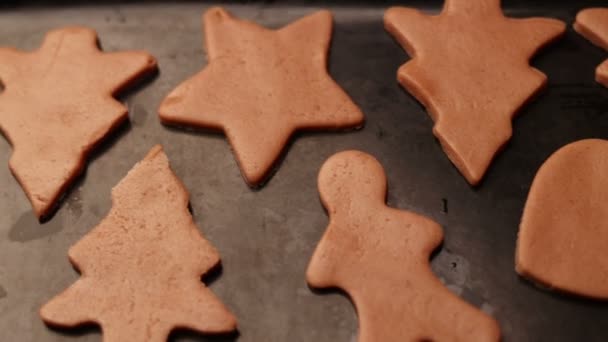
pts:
[380, 257]
[58, 103]
[141, 266]
[260, 86]
[470, 69]
[564, 229]
[592, 23]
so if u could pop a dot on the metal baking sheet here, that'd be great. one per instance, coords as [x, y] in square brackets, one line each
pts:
[266, 237]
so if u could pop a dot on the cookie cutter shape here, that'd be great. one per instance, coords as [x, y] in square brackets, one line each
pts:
[380, 257]
[592, 23]
[564, 228]
[470, 69]
[260, 86]
[58, 103]
[141, 266]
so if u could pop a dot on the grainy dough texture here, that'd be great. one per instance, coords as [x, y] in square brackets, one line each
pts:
[260, 86]
[470, 69]
[592, 23]
[58, 103]
[141, 266]
[380, 257]
[564, 229]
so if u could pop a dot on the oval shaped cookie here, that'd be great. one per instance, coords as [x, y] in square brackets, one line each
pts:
[564, 230]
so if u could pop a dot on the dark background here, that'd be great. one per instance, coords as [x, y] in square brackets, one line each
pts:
[427, 3]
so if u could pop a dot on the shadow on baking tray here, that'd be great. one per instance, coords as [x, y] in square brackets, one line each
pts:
[571, 299]
[176, 335]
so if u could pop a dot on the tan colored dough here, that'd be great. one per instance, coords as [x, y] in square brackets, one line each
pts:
[470, 69]
[564, 229]
[260, 86]
[58, 103]
[592, 23]
[380, 257]
[141, 266]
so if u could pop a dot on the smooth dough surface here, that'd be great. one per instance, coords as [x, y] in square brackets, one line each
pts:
[564, 229]
[470, 69]
[58, 103]
[260, 86]
[380, 257]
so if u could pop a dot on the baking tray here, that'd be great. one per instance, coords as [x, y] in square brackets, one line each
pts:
[266, 237]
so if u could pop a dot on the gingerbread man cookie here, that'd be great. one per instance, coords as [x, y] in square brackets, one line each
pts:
[58, 103]
[564, 229]
[380, 257]
[141, 266]
[260, 86]
[592, 23]
[470, 69]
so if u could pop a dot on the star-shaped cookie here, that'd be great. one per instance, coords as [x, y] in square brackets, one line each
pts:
[260, 86]
[380, 257]
[592, 23]
[141, 266]
[470, 69]
[58, 103]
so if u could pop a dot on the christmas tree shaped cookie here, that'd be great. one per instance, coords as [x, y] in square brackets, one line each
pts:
[380, 257]
[592, 23]
[141, 266]
[260, 86]
[470, 69]
[564, 229]
[58, 103]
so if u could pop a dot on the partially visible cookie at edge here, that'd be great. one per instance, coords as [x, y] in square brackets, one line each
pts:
[564, 228]
[58, 104]
[592, 23]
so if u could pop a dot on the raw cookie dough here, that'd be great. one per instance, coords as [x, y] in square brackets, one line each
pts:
[380, 257]
[470, 69]
[141, 266]
[592, 23]
[260, 86]
[58, 104]
[564, 229]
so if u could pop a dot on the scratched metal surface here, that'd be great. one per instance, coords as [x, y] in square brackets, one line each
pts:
[266, 237]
